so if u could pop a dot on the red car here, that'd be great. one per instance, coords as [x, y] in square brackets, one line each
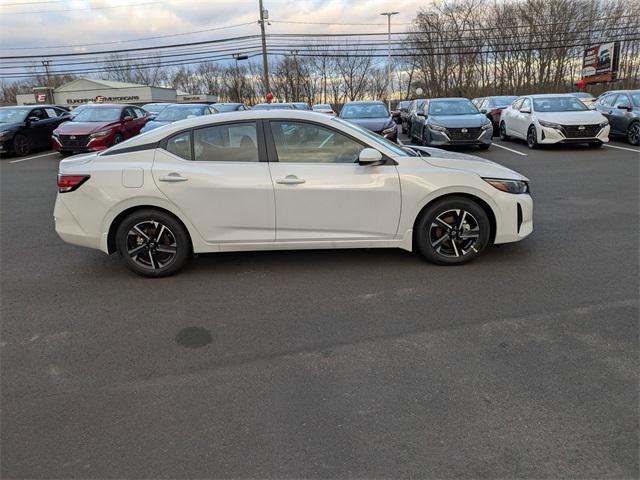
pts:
[98, 127]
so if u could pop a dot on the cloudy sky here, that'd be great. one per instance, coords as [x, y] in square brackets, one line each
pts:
[34, 27]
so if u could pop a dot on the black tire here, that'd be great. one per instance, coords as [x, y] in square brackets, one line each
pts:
[431, 235]
[117, 139]
[595, 144]
[484, 146]
[151, 256]
[503, 132]
[532, 138]
[633, 134]
[21, 145]
[424, 138]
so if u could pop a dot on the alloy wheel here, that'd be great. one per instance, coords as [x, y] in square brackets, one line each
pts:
[151, 245]
[634, 134]
[454, 233]
[21, 145]
[532, 141]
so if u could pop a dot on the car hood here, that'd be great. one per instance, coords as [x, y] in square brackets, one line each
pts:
[83, 128]
[374, 124]
[10, 126]
[572, 118]
[458, 121]
[151, 124]
[470, 163]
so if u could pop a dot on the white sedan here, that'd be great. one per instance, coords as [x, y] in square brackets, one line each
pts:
[269, 180]
[549, 119]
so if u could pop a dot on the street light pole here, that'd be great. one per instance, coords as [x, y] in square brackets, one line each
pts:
[388, 14]
[265, 62]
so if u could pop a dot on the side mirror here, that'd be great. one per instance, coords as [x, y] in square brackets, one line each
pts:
[33, 119]
[525, 110]
[421, 114]
[152, 116]
[128, 118]
[483, 111]
[370, 156]
[625, 107]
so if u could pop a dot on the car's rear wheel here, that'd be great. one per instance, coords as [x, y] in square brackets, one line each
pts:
[532, 137]
[117, 139]
[633, 133]
[21, 145]
[452, 231]
[503, 132]
[153, 243]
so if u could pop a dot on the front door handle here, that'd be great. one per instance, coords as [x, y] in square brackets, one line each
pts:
[290, 180]
[173, 177]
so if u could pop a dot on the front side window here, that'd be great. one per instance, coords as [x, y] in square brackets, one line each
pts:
[311, 143]
[516, 103]
[622, 100]
[180, 145]
[39, 113]
[526, 105]
[232, 142]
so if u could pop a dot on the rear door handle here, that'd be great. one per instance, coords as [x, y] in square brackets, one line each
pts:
[290, 180]
[173, 177]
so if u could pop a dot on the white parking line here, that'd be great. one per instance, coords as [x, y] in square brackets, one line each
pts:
[510, 149]
[32, 158]
[622, 148]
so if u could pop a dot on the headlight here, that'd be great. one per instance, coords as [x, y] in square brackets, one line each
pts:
[550, 125]
[509, 186]
[4, 135]
[436, 128]
[390, 130]
[487, 126]
[100, 134]
[604, 124]
[55, 134]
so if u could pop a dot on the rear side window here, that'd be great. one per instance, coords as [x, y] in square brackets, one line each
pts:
[232, 142]
[180, 145]
[622, 100]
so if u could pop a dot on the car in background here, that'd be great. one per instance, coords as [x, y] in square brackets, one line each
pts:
[301, 106]
[78, 109]
[274, 106]
[24, 129]
[98, 127]
[451, 121]
[477, 101]
[178, 111]
[283, 180]
[584, 97]
[492, 107]
[402, 106]
[324, 108]
[622, 109]
[154, 108]
[229, 107]
[373, 116]
[408, 117]
[553, 118]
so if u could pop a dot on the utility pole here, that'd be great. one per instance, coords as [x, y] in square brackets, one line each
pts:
[388, 14]
[45, 64]
[265, 61]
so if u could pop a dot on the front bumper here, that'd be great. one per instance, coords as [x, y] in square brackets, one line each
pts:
[516, 217]
[439, 139]
[95, 145]
[549, 136]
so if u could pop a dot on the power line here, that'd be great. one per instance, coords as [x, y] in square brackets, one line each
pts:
[78, 9]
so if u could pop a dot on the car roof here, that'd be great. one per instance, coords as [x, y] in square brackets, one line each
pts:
[450, 98]
[227, 103]
[549, 95]
[190, 105]
[109, 105]
[356, 102]
[25, 107]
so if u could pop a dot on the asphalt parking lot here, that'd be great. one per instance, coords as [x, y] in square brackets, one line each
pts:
[331, 364]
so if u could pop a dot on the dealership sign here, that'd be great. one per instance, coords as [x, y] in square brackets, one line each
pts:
[103, 99]
[600, 62]
[41, 97]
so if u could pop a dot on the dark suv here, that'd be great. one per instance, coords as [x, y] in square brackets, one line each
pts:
[622, 109]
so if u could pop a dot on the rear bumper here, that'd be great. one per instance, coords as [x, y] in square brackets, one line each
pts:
[68, 228]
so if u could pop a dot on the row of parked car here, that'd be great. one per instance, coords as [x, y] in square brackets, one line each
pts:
[538, 119]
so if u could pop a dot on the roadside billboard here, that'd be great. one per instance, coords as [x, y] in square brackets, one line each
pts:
[600, 62]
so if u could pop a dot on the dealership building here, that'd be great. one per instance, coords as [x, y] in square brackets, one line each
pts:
[88, 90]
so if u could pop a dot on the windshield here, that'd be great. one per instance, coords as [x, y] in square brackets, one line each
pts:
[273, 106]
[404, 104]
[99, 114]
[13, 115]
[155, 107]
[582, 95]
[301, 106]
[452, 107]
[374, 137]
[558, 104]
[221, 107]
[175, 113]
[364, 110]
[501, 101]
[635, 97]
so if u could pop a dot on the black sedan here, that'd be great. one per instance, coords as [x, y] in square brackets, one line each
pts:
[373, 116]
[27, 128]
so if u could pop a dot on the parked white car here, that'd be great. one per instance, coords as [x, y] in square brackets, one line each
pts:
[549, 119]
[287, 179]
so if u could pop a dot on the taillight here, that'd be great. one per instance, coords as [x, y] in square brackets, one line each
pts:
[69, 183]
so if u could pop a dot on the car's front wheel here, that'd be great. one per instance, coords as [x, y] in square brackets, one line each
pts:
[452, 231]
[152, 243]
[633, 134]
[21, 145]
[532, 137]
